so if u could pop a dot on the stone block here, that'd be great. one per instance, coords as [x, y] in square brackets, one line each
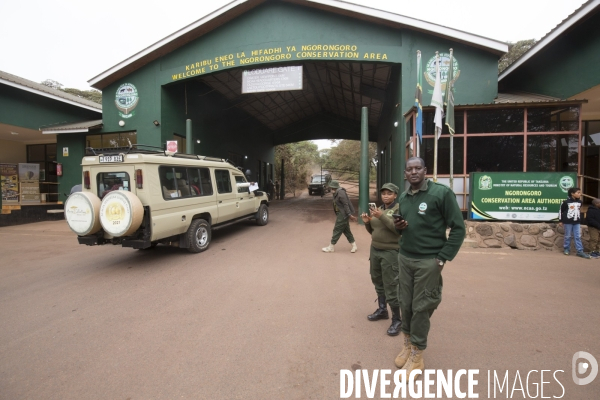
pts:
[559, 241]
[499, 235]
[548, 233]
[484, 230]
[560, 229]
[545, 242]
[516, 227]
[493, 243]
[511, 241]
[534, 230]
[505, 227]
[528, 241]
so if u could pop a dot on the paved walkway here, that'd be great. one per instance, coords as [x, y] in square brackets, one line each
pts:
[264, 314]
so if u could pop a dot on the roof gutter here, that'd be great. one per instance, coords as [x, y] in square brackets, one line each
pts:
[51, 96]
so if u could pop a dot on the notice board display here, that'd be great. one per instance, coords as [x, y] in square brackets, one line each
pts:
[29, 172]
[10, 183]
[272, 79]
[518, 196]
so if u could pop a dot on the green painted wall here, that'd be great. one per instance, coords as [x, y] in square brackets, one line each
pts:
[72, 171]
[569, 65]
[29, 110]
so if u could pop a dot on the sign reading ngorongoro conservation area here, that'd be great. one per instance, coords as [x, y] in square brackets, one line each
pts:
[518, 196]
[216, 63]
[272, 79]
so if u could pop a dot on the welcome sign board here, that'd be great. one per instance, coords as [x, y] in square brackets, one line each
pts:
[518, 196]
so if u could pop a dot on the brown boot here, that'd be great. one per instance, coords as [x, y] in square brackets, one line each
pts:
[403, 356]
[415, 361]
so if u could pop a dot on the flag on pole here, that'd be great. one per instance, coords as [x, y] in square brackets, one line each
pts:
[418, 98]
[449, 96]
[437, 100]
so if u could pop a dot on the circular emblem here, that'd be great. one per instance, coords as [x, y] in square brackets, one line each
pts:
[81, 213]
[485, 182]
[566, 183]
[126, 99]
[444, 67]
[422, 206]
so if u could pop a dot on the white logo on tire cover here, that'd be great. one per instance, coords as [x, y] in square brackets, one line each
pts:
[78, 213]
[115, 214]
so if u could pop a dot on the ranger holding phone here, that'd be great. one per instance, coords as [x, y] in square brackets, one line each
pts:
[429, 208]
[384, 256]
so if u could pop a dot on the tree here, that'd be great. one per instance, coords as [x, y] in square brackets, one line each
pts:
[52, 84]
[92, 95]
[515, 50]
[298, 159]
[346, 156]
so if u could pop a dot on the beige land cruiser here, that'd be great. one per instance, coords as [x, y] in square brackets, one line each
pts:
[136, 198]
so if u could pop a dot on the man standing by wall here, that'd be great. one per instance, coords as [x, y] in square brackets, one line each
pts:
[428, 209]
[343, 209]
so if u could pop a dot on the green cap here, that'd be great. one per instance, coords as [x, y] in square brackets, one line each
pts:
[334, 184]
[390, 186]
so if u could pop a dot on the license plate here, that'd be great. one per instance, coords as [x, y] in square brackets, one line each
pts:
[111, 159]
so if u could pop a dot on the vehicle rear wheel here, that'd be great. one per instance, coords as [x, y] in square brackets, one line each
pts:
[262, 216]
[198, 235]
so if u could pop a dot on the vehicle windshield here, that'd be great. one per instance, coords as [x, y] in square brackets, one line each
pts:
[318, 179]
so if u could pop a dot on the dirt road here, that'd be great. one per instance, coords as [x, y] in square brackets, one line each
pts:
[264, 314]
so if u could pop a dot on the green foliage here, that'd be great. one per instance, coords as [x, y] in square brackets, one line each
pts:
[92, 95]
[346, 157]
[515, 50]
[298, 159]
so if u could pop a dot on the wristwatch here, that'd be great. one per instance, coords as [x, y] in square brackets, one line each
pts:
[440, 262]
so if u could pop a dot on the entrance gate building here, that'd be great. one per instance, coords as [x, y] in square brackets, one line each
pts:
[351, 57]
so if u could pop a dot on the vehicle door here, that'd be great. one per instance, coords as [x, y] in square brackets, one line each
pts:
[246, 198]
[106, 178]
[228, 202]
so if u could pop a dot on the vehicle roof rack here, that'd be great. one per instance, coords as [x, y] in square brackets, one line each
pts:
[147, 149]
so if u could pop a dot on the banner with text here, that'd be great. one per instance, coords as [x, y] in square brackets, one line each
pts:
[518, 196]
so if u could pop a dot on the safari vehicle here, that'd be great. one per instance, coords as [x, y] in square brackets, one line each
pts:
[140, 198]
[319, 184]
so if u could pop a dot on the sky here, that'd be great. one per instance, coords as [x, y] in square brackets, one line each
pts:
[72, 41]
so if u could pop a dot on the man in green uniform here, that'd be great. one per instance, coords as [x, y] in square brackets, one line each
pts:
[343, 209]
[428, 209]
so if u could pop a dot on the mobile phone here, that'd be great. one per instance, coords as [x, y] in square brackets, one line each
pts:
[398, 217]
[372, 206]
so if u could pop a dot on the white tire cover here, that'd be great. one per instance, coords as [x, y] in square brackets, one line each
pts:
[121, 213]
[81, 213]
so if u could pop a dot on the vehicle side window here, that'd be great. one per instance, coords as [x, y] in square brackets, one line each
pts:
[223, 181]
[241, 179]
[181, 181]
[167, 182]
[200, 183]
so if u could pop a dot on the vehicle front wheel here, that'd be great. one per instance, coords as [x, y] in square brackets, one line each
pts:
[310, 192]
[198, 235]
[262, 215]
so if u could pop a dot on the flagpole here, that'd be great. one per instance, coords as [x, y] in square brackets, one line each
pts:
[449, 91]
[435, 136]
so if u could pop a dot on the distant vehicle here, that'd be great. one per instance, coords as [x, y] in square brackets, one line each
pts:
[319, 184]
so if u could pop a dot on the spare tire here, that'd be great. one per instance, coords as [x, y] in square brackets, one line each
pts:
[121, 213]
[82, 211]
